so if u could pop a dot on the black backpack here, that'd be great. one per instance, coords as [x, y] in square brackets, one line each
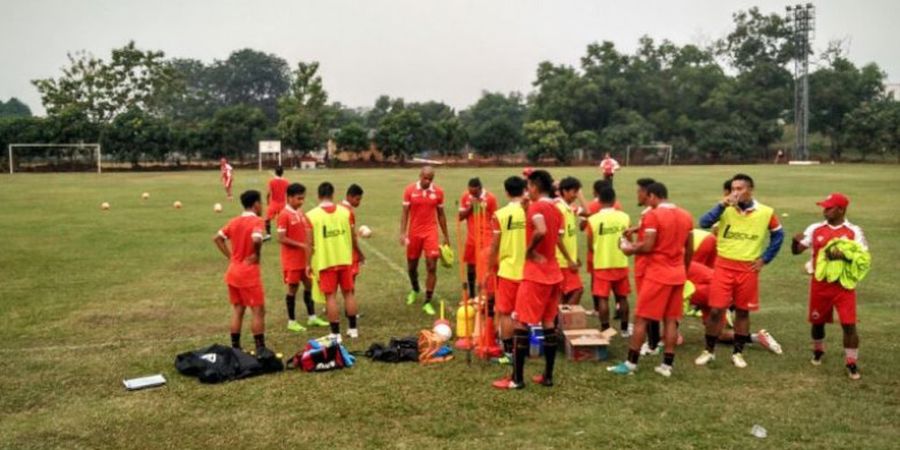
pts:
[218, 363]
[397, 350]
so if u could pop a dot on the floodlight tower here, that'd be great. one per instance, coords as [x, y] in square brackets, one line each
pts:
[801, 20]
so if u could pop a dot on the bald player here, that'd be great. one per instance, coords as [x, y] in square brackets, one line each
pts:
[423, 212]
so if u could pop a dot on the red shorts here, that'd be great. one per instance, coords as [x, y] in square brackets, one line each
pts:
[294, 276]
[602, 285]
[727, 284]
[571, 282]
[536, 303]
[250, 296]
[505, 297]
[227, 182]
[706, 252]
[824, 298]
[332, 277]
[273, 210]
[418, 244]
[657, 301]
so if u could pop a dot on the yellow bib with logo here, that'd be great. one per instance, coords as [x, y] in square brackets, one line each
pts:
[607, 227]
[511, 255]
[569, 238]
[332, 241]
[741, 236]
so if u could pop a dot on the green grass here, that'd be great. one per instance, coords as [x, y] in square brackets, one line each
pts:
[88, 298]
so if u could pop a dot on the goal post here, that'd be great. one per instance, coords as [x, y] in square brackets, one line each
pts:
[94, 148]
[269, 147]
[649, 154]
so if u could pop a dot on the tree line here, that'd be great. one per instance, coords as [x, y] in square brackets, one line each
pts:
[729, 100]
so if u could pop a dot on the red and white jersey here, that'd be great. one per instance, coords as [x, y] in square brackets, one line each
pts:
[609, 166]
[819, 234]
[227, 172]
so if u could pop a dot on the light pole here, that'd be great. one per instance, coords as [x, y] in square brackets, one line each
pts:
[801, 21]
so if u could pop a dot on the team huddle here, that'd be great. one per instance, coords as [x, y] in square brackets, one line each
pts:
[523, 259]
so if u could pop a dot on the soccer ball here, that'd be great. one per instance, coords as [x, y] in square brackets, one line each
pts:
[443, 331]
[177, 204]
[217, 207]
[785, 214]
[365, 231]
[104, 206]
[145, 195]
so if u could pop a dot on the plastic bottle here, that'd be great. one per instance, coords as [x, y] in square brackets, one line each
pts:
[536, 341]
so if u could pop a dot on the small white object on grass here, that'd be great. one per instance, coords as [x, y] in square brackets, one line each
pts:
[364, 231]
[759, 431]
[177, 204]
[785, 214]
[217, 207]
[145, 195]
[104, 206]
[144, 382]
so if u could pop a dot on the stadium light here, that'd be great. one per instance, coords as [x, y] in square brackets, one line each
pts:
[801, 21]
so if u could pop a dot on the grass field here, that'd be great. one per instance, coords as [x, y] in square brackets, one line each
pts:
[88, 298]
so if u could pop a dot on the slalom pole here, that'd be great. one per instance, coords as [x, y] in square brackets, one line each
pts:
[465, 295]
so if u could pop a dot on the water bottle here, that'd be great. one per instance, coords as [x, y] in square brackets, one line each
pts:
[536, 341]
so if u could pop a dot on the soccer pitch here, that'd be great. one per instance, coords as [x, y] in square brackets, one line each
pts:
[89, 297]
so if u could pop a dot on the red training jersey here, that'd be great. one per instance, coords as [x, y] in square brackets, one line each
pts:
[241, 231]
[817, 236]
[278, 190]
[423, 205]
[296, 227]
[548, 271]
[672, 225]
[489, 206]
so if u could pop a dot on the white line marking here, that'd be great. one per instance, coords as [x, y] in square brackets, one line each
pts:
[382, 256]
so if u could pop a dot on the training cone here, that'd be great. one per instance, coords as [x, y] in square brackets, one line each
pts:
[486, 346]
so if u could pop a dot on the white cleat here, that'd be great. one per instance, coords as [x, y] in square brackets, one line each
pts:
[768, 342]
[705, 358]
[626, 333]
[663, 370]
[738, 360]
[645, 349]
[353, 333]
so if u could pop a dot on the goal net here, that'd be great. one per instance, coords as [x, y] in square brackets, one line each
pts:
[42, 157]
[648, 155]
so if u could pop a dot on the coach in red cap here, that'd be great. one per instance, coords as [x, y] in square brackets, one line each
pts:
[825, 297]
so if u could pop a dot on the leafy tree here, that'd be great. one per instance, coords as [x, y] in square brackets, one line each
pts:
[253, 78]
[450, 136]
[628, 128]
[132, 79]
[353, 137]
[874, 127]
[586, 140]
[14, 108]
[236, 130]
[494, 123]
[135, 134]
[400, 134]
[837, 90]
[546, 138]
[304, 114]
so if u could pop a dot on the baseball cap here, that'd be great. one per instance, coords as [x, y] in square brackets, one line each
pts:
[834, 199]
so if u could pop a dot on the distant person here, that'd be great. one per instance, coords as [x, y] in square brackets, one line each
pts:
[609, 167]
[423, 213]
[227, 176]
[275, 198]
[779, 156]
[824, 296]
[242, 277]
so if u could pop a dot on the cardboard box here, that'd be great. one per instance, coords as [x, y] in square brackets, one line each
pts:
[588, 344]
[572, 317]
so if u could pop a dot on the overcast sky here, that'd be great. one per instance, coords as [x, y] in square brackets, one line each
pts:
[444, 50]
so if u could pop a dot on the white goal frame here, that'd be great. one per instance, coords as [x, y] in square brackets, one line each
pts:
[80, 145]
[668, 148]
[269, 147]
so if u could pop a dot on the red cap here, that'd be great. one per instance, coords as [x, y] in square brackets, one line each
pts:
[834, 199]
[527, 171]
